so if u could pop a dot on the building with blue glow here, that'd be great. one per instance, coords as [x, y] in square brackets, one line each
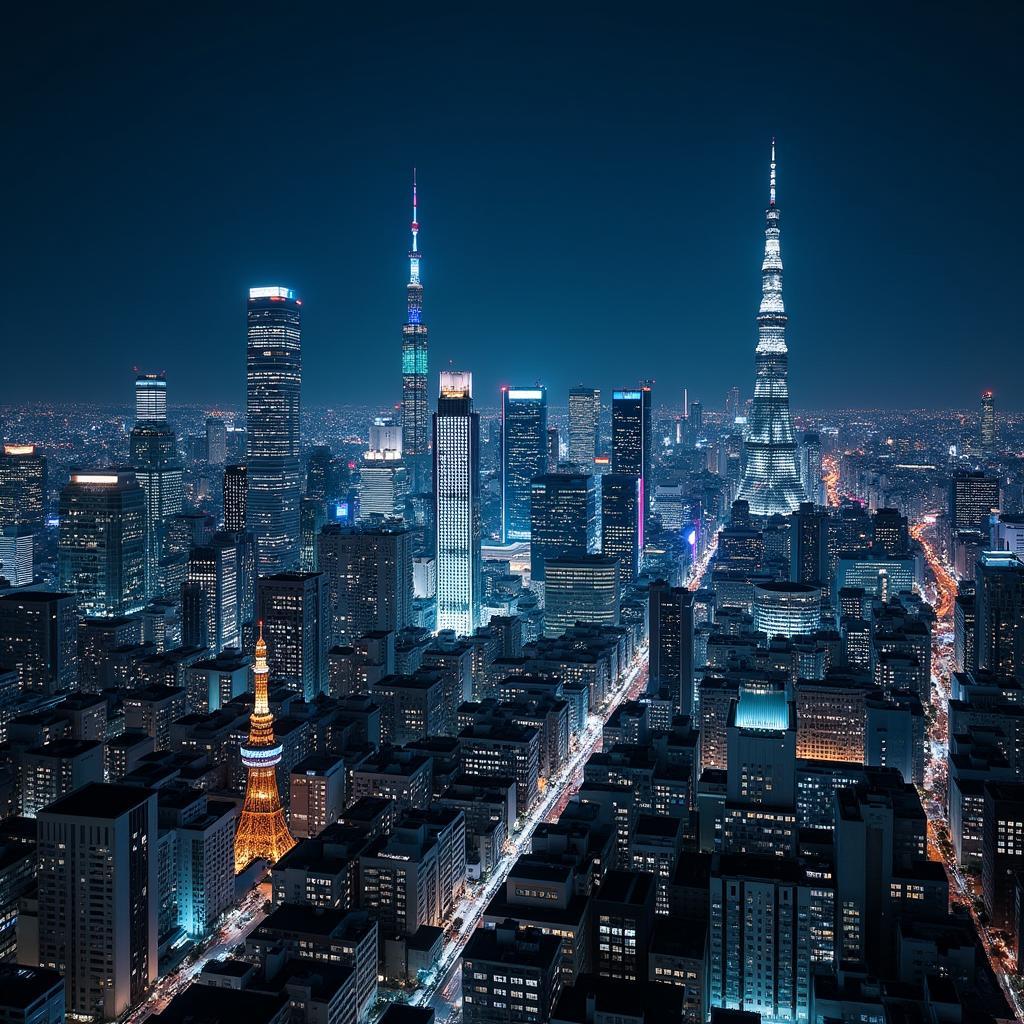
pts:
[622, 521]
[457, 504]
[272, 446]
[524, 439]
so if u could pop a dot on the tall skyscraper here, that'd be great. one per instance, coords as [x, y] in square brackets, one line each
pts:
[632, 439]
[216, 441]
[262, 830]
[671, 644]
[810, 467]
[154, 457]
[584, 423]
[236, 492]
[414, 364]
[771, 482]
[150, 397]
[214, 567]
[99, 896]
[999, 613]
[102, 543]
[457, 504]
[22, 487]
[524, 428]
[988, 423]
[622, 521]
[274, 379]
[563, 517]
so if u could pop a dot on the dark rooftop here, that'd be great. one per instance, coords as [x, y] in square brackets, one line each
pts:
[99, 800]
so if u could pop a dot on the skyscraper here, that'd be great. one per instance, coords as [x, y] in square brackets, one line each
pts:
[98, 896]
[293, 610]
[368, 570]
[216, 441]
[39, 638]
[214, 567]
[274, 379]
[150, 397]
[563, 517]
[810, 467]
[457, 503]
[988, 423]
[22, 487]
[262, 830]
[236, 491]
[622, 521]
[414, 364]
[999, 613]
[632, 438]
[102, 544]
[524, 427]
[584, 421]
[671, 644]
[771, 482]
[154, 457]
[580, 588]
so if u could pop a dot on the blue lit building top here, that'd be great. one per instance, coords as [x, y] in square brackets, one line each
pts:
[762, 712]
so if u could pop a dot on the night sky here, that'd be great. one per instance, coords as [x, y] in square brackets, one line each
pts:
[592, 187]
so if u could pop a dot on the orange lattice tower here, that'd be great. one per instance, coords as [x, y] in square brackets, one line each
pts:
[262, 830]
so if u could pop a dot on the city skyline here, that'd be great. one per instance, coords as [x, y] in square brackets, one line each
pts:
[654, 213]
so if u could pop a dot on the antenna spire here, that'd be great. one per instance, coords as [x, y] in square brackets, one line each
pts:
[415, 222]
[771, 188]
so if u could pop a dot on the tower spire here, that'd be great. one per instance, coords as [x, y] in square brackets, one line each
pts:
[771, 187]
[414, 252]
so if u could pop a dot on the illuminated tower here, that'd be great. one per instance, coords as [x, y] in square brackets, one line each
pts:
[771, 482]
[988, 423]
[415, 445]
[262, 830]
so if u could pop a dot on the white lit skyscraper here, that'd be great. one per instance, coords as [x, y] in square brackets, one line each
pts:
[584, 419]
[274, 378]
[457, 503]
[150, 397]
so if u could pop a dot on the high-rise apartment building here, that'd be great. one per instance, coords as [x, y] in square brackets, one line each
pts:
[17, 561]
[524, 425]
[457, 504]
[102, 542]
[584, 425]
[272, 448]
[973, 497]
[369, 579]
[98, 896]
[810, 467]
[415, 431]
[563, 518]
[294, 610]
[771, 482]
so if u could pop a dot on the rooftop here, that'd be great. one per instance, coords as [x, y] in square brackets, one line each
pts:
[99, 800]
